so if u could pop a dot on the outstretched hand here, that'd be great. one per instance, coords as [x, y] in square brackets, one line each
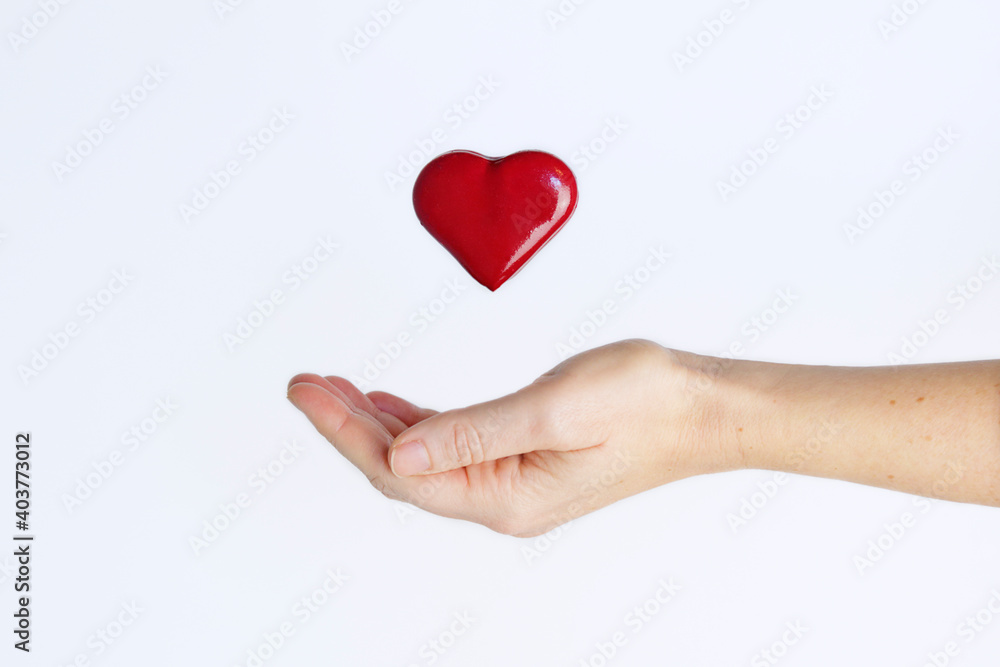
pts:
[599, 427]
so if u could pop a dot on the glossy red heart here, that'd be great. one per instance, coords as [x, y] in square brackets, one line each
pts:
[494, 214]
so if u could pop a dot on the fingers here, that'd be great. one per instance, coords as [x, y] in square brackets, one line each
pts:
[392, 423]
[365, 442]
[354, 399]
[405, 411]
[516, 424]
[360, 440]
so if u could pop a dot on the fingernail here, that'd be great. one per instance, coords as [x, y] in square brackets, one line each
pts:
[409, 458]
[288, 395]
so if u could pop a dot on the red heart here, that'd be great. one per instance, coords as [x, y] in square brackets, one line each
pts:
[494, 214]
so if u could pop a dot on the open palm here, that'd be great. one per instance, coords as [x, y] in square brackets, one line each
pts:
[562, 446]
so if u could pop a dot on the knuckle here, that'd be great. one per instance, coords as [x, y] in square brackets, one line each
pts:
[467, 446]
[551, 423]
[554, 418]
[643, 355]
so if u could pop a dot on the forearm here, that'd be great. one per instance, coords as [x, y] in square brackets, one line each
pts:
[931, 430]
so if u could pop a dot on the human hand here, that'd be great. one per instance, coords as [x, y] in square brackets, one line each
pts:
[601, 426]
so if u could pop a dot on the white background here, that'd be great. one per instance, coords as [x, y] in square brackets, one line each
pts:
[162, 337]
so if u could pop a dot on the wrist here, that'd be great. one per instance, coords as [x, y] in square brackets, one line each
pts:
[744, 420]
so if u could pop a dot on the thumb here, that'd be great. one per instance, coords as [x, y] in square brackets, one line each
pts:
[515, 424]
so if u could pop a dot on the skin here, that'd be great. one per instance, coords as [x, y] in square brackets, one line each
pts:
[630, 416]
